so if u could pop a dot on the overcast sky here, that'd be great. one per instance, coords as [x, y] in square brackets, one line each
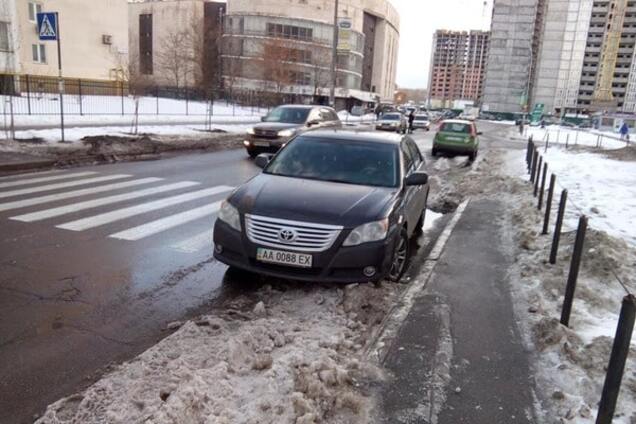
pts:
[418, 21]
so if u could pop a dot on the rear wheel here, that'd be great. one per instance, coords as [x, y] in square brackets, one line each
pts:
[400, 257]
[434, 152]
[472, 156]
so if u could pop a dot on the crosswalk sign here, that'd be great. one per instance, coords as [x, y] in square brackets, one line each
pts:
[47, 26]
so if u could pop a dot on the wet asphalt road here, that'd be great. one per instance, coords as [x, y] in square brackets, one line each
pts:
[102, 289]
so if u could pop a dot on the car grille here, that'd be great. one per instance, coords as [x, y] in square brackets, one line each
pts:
[266, 133]
[308, 237]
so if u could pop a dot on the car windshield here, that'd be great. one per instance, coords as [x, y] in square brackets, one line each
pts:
[456, 127]
[391, 117]
[343, 161]
[288, 115]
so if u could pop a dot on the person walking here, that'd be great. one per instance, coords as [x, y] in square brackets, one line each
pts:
[624, 131]
[411, 119]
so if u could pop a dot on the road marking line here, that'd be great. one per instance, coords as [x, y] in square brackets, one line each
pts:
[46, 179]
[196, 243]
[50, 187]
[28, 174]
[90, 204]
[117, 215]
[77, 193]
[163, 224]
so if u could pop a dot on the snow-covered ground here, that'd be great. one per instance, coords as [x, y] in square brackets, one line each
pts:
[75, 134]
[604, 189]
[556, 135]
[571, 362]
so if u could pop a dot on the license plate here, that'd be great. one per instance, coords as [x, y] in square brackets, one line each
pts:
[261, 143]
[284, 258]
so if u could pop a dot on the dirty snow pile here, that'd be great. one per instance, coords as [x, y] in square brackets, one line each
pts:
[571, 362]
[289, 354]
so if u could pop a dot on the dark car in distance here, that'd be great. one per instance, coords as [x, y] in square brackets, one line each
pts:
[332, 206]
[285, 122]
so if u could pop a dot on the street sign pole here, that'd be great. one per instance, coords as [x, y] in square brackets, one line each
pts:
[60, 78]
[49, 30]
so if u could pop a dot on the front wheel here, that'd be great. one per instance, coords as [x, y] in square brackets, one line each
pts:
[400, 257]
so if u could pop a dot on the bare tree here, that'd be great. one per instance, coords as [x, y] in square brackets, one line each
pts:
[278, 65]
[130, 76]
[175, 57]
[320, 71]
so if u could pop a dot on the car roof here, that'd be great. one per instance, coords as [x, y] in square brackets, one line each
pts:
[356, 135]
[457, 121]
[305, 106]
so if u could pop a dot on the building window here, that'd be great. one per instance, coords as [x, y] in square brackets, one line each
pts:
[4, 36]
[145, 44]
[289, 31]
[34, 9]
[39, 53]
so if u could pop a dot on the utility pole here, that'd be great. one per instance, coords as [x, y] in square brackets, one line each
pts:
[334, 57]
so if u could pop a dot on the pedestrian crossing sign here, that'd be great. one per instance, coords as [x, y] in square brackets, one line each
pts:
[47, 26]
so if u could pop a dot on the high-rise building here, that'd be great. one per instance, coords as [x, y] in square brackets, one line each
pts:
[512, 54]
[457, 66]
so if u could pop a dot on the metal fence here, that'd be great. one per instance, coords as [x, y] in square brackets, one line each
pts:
[35, 95]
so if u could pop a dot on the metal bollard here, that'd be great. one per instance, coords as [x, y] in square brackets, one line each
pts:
[618, 357]
[558, 226]
[547, 142]
[536, 177]
[542, 191]
[575, 264]
[548, 205]
[533, 171]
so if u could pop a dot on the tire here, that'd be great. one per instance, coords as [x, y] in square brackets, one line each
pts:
[400, 257]
[472, 156]
[434, 152]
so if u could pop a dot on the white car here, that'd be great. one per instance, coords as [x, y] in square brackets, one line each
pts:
[421, 121]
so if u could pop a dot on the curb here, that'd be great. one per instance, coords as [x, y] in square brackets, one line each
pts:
[388, 330]
[27, 166]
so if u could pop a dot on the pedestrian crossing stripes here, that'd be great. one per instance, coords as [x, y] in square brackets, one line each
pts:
[119, 197]
[51, 187]
[76, 207]
[109, 217]
[76, 193]
[45, 179]
[163, 224]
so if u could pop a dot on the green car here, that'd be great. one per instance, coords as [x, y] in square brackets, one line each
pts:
[457, 137]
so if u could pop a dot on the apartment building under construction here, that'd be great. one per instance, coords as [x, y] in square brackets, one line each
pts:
[457, 66]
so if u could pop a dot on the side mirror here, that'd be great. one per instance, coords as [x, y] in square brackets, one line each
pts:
[263, 160]
[416, 178]
[263, 118]
[312, 123]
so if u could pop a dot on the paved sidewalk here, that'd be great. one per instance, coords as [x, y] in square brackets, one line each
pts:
[465, 315]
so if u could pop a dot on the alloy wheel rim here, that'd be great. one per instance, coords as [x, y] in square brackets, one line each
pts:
[399, 259]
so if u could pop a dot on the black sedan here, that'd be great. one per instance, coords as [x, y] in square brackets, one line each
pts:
[284, 123]
[331, 206]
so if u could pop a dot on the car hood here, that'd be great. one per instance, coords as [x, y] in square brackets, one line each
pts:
[276, 126]
[315, 201]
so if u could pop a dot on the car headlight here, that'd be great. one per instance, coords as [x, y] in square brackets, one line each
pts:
[365, 233]
[230, 215]
[250, 131]
[286, 133]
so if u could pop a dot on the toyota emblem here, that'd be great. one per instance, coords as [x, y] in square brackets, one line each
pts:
[287, 235]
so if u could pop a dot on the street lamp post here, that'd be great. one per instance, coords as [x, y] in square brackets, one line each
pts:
[334, 57]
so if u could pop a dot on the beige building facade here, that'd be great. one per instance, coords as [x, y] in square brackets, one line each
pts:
[173, 42]
[94, 38]
[366, 69]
